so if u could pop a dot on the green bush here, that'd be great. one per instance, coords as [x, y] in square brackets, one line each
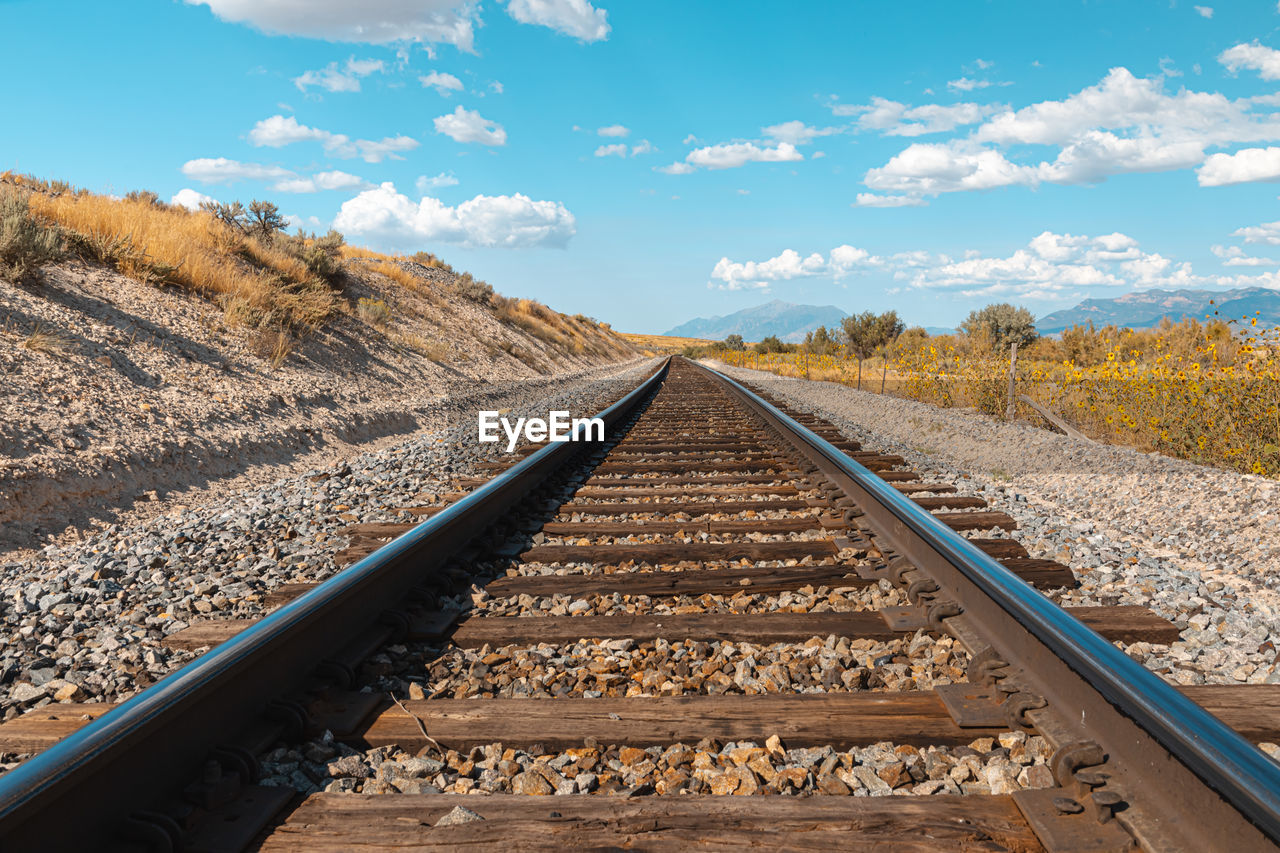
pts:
[25, 244]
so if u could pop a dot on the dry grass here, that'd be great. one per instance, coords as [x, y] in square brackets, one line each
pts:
[437, 351]
[271, 345]
[278, 284]
[48, 341]
[375, 312]
[655, 344]
[162, 244]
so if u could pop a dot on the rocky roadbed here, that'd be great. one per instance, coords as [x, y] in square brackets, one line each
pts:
[116, 394]
[1198, 545]
[84, 623]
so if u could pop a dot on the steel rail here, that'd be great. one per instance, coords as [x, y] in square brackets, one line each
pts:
[80, 792]
[1171, 729]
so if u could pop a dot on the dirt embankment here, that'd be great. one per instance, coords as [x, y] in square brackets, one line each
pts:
[114, 392]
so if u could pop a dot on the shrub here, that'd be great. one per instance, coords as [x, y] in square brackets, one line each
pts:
[474, 289]
[272, 345]
[997, 326]
[25, 244]
[373, 311]
[144, 196]
[48, 341]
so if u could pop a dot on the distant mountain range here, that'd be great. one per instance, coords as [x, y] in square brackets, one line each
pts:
[1145, 309]
[788, 321]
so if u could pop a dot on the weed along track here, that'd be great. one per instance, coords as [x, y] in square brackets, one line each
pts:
[726, 625]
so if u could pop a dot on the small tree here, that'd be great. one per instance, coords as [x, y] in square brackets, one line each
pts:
[819, 341]
[264, 220]
[1001, 324]
[232, 215]
[867, 332]
[734, 342]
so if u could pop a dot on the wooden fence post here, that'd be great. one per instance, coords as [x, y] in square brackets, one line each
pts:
[1013, 366]
[884, 375]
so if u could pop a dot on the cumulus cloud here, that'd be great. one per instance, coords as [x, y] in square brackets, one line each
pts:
[220, 170]
[1234, 256]
[797, 132]
[367, 22]
[511, 222]
[1245, 165]
[190, 199]
[613, 130]
[1049, 266]
[967, 84]
[674, 169]
[279, 131]
[1253, 56]
[893, 118]
[1267, 232]
[444, 83]
[748, 275]
[463, 125]
[322, 181]
[616, 150]
[335, 79]
[873, 200]
[1123, 124]
[644, 146]
[444, 179]
[1204, 11]
[736, 154]
[576, 18]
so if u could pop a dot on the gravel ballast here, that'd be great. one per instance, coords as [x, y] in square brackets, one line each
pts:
[84, 623]
[1197, 545]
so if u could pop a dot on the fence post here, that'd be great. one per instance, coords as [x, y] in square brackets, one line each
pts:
[884, 375]
[1013, 366]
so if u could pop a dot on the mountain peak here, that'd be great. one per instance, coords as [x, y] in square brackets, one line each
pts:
[788, 321]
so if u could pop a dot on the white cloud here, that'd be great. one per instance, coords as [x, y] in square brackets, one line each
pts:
[1234, 256]
[190, 199]
[617, 150]
[842, 261]
[1051, 266]
[1123, 124]
[675, 169]
[444, 179]
[797, 132]
[1267, 232]
[1204, 11]
[512, 222]
[736, 154]
[321, 181]
[220, 170]
[576, 18]
[873, 200]
[443, 82]
[644, 146]
[334, 79]
[1255, 57]
[367, 22]
[463, 125]
[690, 140]
[496, 86]
[1245, 165]
[932, 168]
[967, 84]
[613, 130]
[279, 131]
[897, 119]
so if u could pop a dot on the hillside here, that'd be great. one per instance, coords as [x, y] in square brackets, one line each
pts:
[123, 381]
[1145, 309]
[788, 321]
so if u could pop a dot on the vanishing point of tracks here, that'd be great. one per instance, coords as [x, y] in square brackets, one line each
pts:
[706, 494]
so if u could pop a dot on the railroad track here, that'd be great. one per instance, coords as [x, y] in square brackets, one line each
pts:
[722, 602]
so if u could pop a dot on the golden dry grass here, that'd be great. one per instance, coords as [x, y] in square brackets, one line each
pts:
[662, 343]
[171, 245]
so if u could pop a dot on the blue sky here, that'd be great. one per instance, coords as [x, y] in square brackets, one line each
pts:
[645, 163]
